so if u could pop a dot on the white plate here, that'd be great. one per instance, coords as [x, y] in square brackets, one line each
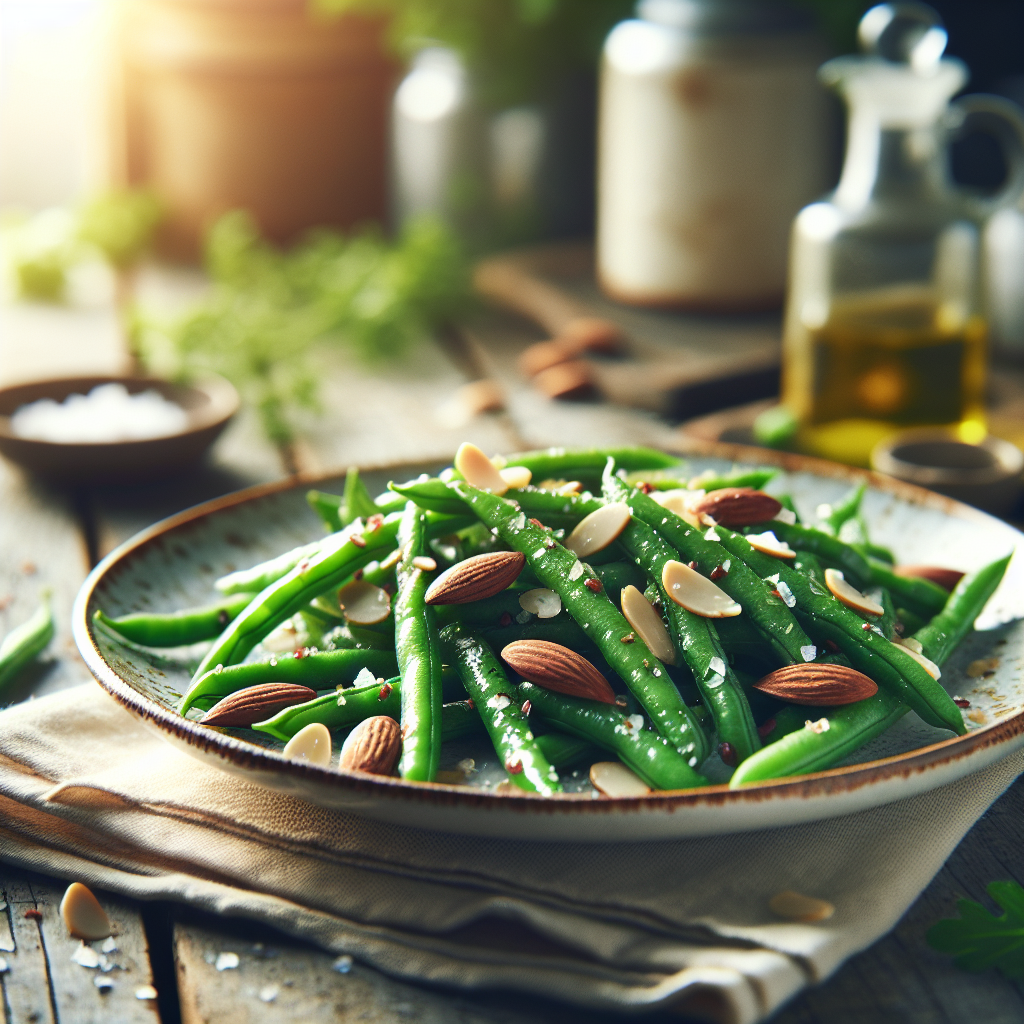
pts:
[173, 565]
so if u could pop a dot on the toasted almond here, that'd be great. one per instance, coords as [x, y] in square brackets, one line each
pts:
[697, 593]
[850, 596]
[593, 334]
[363, 603]
[424, 563]
[476, 578]
[681, 502]
[256, 704]
[767, 543]
[794, 906]
[572, 381]
[738, 506]
[817, 685]
[557, 668]
[926, 663]
[945, 578]
[311, 744]
[83, 915]
[542, 355]
[543, 603]
[649, 625]
[613, 778]
[478, 470]
[372, 746]
[516, 476]
[595, 532]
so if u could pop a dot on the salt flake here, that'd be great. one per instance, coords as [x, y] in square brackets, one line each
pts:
[808, 652]
[226, 962]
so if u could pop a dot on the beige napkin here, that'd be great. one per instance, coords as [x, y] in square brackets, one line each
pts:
[88, 793]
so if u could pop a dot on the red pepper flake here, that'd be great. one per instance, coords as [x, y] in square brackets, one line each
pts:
[357, 539]
[303, 565]
[514, 767]
[358, 574]
[549, 543]
[222, 618]
[647, 664]
[505, 620]
[628, 638]
[385, 692]
[727, 752]
[718, 572]
[389, 588]
[594, 584]
[470, 704]
[375, 522]
[33, 915]
[645, 487]
[527, 707]
[693, 566]
[830, 645]
[302, 652]
[775, 593]
[766, 728]
[538, 523]
[621, 701]
[865, 626]
[961, 702]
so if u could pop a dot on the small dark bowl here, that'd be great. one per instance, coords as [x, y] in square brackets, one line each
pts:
[209, 404]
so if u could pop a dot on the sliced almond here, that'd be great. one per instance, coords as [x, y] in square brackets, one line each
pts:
[476, 578]
[697, 593]
[516, 476]
[595, 532]
[542, 355]
[817, 685]
[641, 615]
[681, 503]
[613, 778]
[768, 544]
[372, 746]
[850, 596]
[363, 603]
[794, 906]
[478, 470]
[311, 744]
[555, 667]
[256, 704]
[543, 603]
[926, 663]
[83, 915]
[945, 578]
[738, 506]
[424, 563]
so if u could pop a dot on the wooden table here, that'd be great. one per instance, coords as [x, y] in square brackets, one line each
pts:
[51, 537]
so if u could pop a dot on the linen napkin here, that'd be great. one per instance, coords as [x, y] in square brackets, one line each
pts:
[88, 793]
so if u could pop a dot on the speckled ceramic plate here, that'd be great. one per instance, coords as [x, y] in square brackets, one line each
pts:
[173, 565]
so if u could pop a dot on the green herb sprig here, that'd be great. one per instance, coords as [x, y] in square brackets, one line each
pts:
[979, 940]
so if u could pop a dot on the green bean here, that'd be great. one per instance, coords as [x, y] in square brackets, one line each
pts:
[849, 728]
[649, 754]
[315, 669]
[695, 637]
[556, 567]
[419, 658]
[768, 612]
[492, 693]
[259, 577]
[710, 481]
[847, 508]
[26, 642]
[334, 561]
[177, 629]
[329, 506]
[587, 463]
[565, 751]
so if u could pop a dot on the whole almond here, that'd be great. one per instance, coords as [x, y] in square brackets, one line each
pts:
[738, 506]
[817, 685]
[256, 703]
[557, 668]
[476, 578]
[542, 355]
[572, 381]
[945, 578]
[372, 746]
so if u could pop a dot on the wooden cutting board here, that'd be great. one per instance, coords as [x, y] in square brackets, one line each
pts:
[678, 364]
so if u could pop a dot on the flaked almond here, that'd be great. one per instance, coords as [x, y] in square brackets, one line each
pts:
[682, 503]
[476, 578]
[311, 744]
[768, 544]
[794, 906]
[372, 746]
[364, 603]
[595, 532]
[516, 476]
[945, 578]
[564, 487]
[256, 704]
[613, 778]
[648, 624]
[817, 685]
[738, 506]
[478, 470]
[83, 915]
[543, 603]
[850, 596]
[424, 563]
[926, 663]
[557, 668]
[697, 593]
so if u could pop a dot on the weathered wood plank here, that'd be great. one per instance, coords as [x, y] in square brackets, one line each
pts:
[26, 983]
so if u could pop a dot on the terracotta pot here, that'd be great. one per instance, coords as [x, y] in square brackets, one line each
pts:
[255, 104]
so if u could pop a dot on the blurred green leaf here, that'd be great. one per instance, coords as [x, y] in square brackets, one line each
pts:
[121, 224]
[979, 940]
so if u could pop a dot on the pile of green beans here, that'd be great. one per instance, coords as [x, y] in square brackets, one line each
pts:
[26, 642]
[438, 670]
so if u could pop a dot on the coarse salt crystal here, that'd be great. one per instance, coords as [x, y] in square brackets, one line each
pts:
[819, 727]
[808, 652]
[711, 535]
[86, 956]
[786, 594]
[576, 571]
[343, 964]
[717, 666]
[226, 962]
[787, 516]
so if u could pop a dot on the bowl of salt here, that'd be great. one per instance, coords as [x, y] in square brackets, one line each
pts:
[112, 429]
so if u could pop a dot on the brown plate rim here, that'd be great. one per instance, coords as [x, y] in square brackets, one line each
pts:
[819, 784]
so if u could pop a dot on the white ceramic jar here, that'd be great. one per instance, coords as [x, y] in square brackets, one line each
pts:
[713, 133]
